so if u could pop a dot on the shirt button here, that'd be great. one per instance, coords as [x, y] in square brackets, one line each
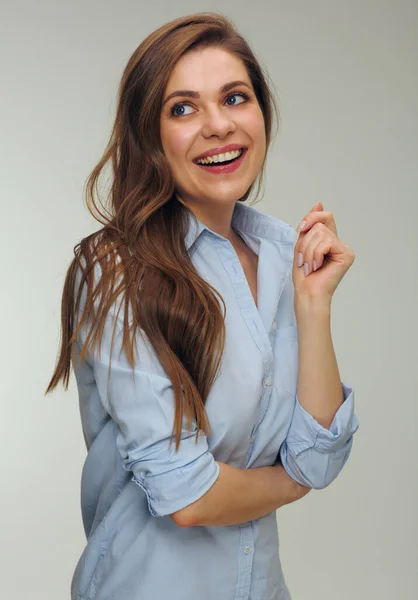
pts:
[274, 324]
[269, 381]
[247, 550]
[252, 439]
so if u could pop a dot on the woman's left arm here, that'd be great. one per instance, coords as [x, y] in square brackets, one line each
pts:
[319, 384]
[319, 439]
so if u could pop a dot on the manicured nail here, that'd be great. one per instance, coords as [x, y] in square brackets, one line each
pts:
[314, 265]
[300, 259]
[306, 268]
[301, 225]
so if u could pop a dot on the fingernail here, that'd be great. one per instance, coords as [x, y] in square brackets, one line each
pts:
[301, 225]
[300, 259]
[314, 265]
[306, 269]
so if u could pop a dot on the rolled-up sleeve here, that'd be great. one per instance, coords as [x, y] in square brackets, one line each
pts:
[142, 404]
[313, 455]
[143, 407]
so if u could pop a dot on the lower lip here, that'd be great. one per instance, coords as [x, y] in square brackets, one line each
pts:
[225, 168]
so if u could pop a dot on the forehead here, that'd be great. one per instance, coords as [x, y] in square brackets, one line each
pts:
[206, 69]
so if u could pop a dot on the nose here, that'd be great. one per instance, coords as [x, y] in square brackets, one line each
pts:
[217, 122]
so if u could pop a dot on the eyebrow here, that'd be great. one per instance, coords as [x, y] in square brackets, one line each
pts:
[192, 94]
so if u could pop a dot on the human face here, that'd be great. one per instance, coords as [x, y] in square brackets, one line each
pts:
[191, 126]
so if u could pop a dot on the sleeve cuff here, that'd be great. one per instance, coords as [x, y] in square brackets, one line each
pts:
[305, 432]
[176, 489]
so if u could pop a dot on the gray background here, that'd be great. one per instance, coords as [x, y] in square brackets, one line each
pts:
[346, 76]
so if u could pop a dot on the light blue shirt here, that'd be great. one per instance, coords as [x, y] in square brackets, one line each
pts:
[131, 482]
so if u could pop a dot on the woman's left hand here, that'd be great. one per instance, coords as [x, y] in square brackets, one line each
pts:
[319, 242]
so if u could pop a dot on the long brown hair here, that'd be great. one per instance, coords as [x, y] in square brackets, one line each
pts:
[142, 241]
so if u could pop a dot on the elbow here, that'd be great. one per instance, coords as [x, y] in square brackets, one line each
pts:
[185, 517]
[315, 469]
[180, 519]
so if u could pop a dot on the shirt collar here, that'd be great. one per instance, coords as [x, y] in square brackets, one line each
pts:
[248, 220]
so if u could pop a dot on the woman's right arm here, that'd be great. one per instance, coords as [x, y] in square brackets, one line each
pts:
[189, 482]
[241, 495]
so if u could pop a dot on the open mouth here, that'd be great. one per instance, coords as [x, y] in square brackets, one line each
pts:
[226, 162]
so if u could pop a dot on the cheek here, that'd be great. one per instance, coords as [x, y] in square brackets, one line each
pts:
[177, 142]
[254, 127]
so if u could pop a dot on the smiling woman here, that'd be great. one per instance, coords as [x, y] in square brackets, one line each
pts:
[174, 318]
[217, 110]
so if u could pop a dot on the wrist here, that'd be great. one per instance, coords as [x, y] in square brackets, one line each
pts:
[312, 305]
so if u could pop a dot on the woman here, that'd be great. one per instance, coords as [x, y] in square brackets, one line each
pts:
[251, 395]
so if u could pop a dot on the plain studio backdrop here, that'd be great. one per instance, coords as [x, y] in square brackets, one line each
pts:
[346, 76]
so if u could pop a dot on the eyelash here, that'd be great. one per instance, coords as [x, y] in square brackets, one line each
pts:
[245, 96]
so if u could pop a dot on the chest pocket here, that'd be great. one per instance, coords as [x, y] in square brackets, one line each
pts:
[286, 359]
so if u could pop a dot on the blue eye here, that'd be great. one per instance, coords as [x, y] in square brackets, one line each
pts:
[174, 114]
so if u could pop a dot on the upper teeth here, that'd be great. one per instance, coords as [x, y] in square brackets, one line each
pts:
[220, 157]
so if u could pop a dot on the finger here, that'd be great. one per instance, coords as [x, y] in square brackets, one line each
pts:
[317, 216]
[320, 251]
[309, 220]
[317, 206]
[310, 243]
[304, 240]
[324, 216]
